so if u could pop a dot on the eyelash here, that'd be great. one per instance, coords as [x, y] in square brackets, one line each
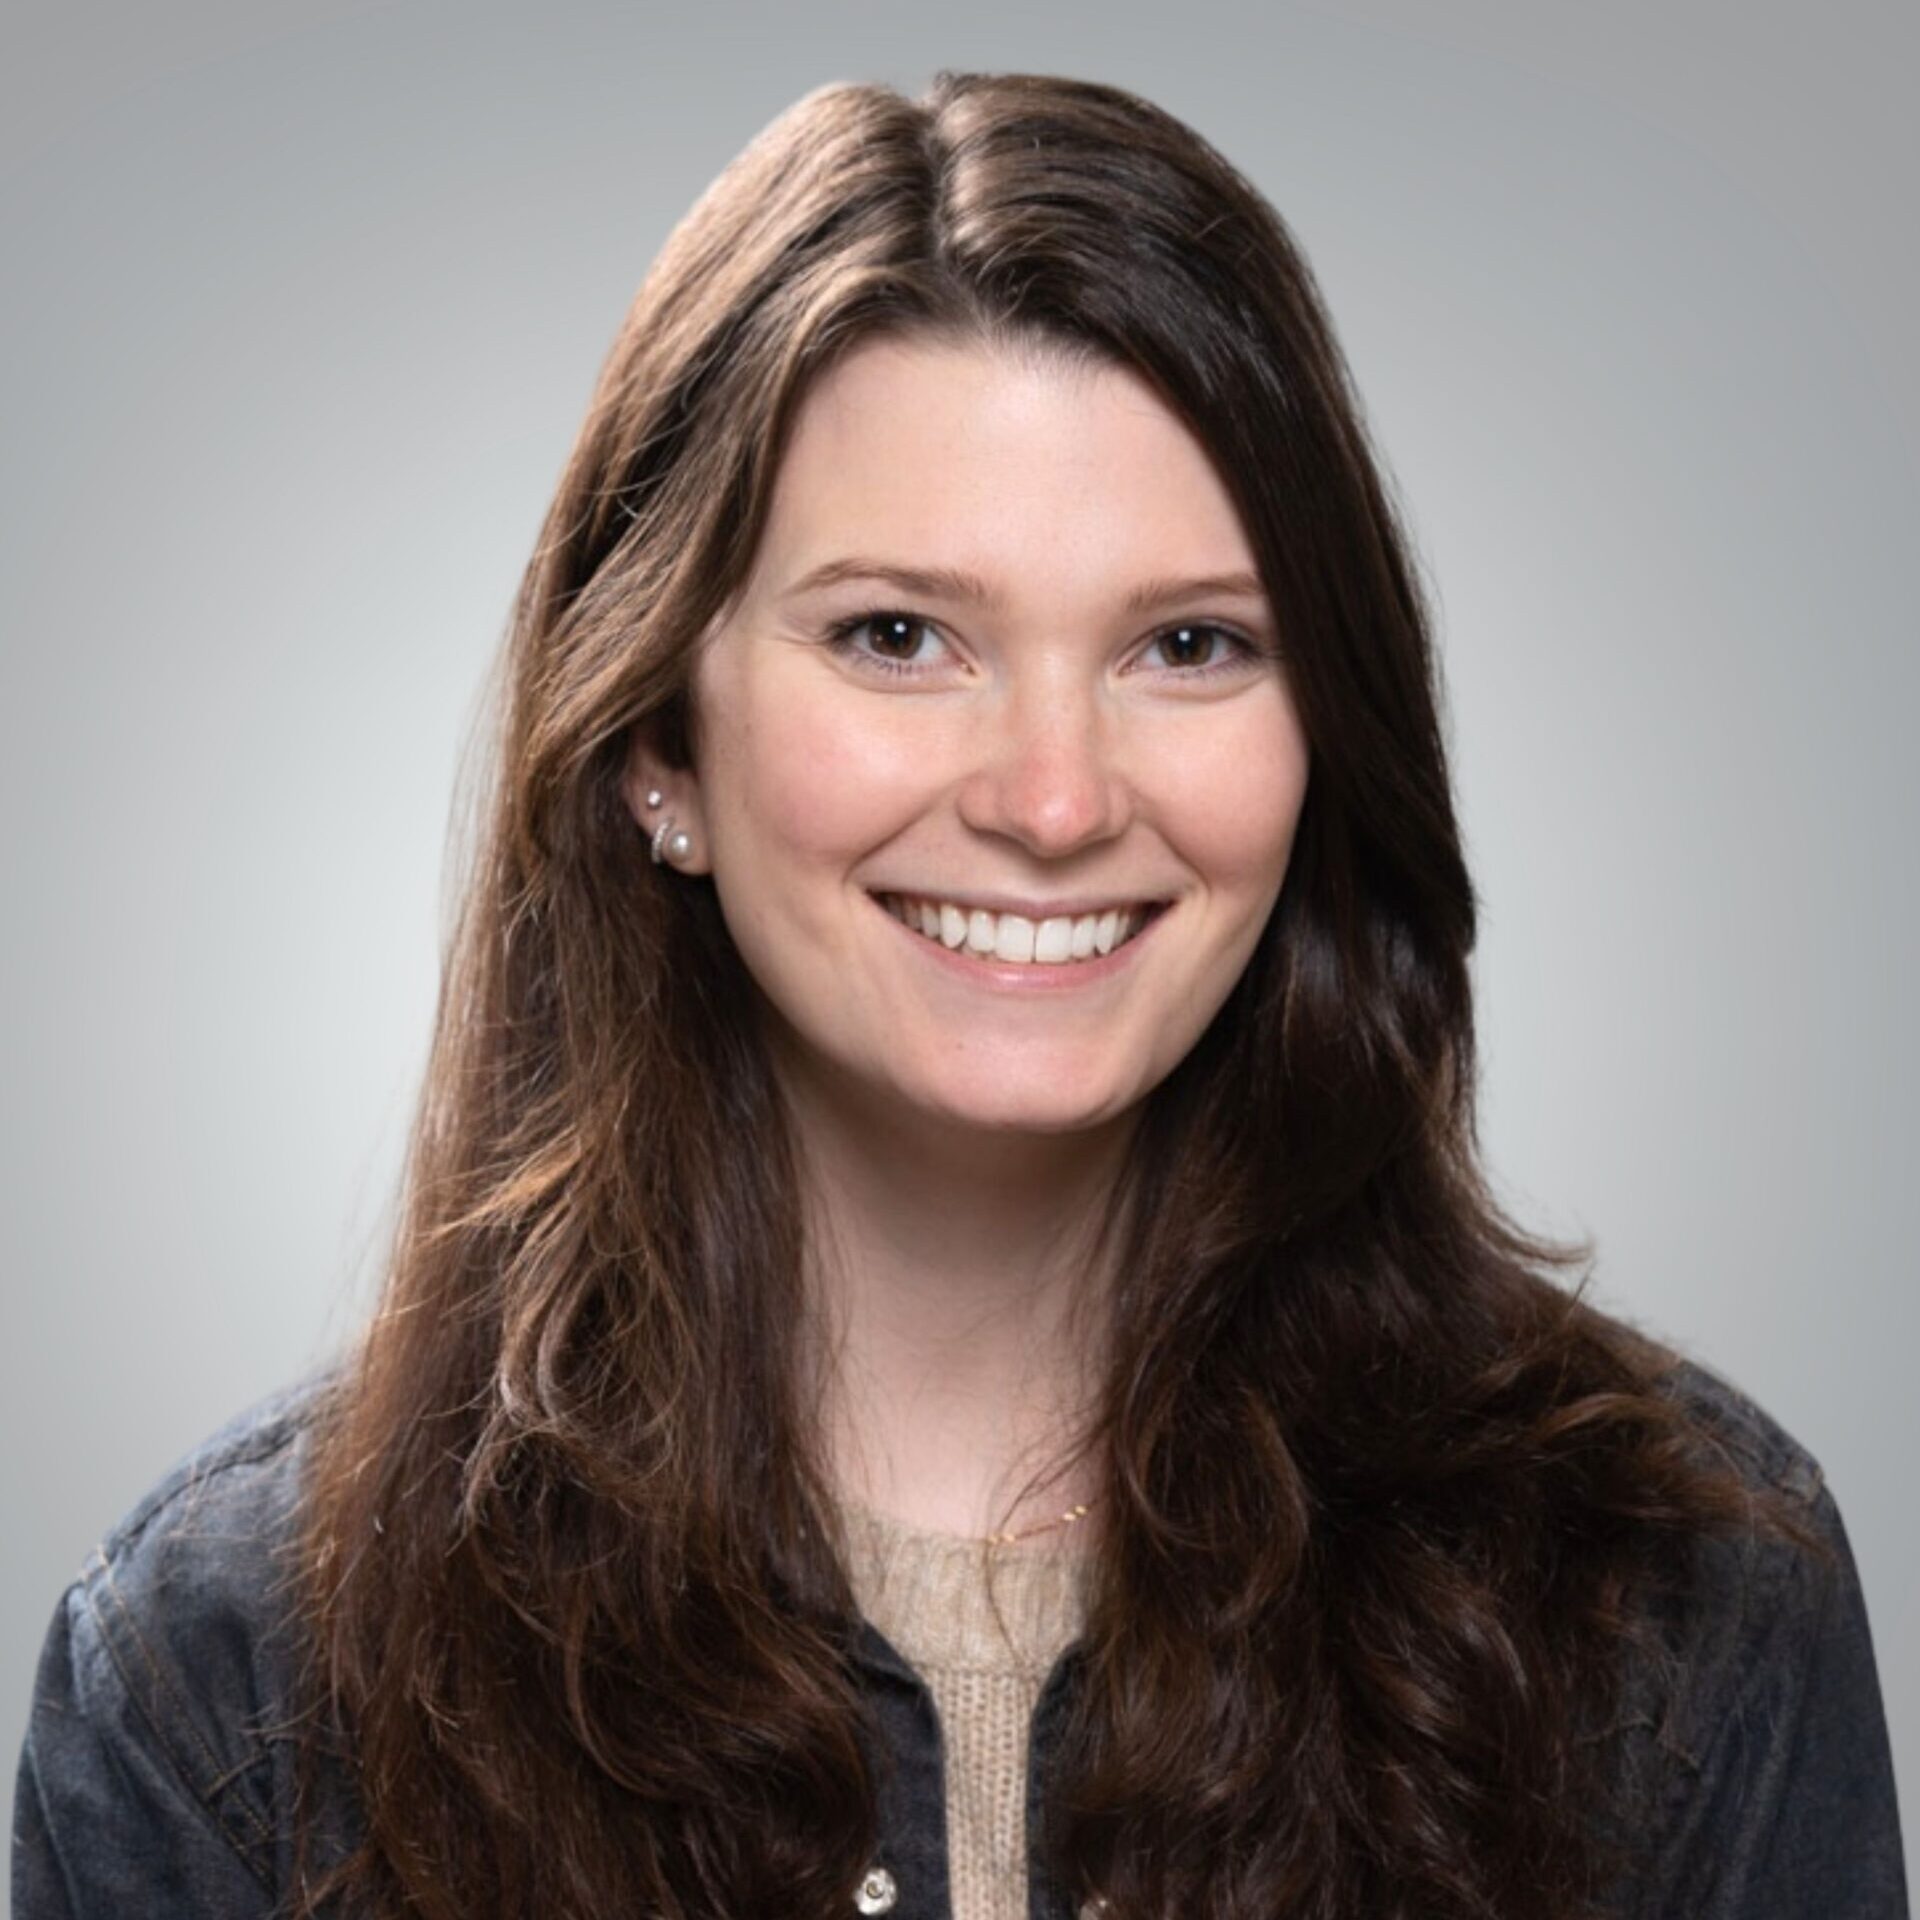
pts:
[839, 639]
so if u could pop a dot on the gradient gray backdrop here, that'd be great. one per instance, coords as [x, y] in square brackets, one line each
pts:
[305, 303]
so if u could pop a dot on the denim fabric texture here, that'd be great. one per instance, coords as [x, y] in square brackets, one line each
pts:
[156, 1775]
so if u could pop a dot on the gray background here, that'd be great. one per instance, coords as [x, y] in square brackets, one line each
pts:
[305, 303]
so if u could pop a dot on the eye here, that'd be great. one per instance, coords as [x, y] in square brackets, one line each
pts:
[895, 639]
[1201, 647]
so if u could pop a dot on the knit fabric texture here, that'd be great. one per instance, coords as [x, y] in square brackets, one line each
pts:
[982, 1626]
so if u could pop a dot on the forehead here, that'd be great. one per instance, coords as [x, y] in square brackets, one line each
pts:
[1007, 464]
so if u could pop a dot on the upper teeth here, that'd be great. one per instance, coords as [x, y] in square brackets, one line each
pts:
[1012, 936]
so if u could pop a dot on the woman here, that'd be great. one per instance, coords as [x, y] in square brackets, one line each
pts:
[948, 1349]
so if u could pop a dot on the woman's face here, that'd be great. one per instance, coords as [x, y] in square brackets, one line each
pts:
[1063, 714]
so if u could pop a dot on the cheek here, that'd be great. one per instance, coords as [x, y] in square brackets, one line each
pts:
[1238, 818]
[819, 779]
[1272, 813]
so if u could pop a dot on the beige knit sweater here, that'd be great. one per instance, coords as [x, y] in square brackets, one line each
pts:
[934, 1597]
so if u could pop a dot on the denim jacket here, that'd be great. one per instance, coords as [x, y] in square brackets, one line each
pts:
[156, 1775]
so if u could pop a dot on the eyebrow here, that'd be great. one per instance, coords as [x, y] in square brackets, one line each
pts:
[954, 583]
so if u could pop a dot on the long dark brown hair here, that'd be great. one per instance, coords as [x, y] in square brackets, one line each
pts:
[1380, 1488]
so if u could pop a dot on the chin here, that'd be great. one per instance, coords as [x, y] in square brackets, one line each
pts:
[1040, 1112]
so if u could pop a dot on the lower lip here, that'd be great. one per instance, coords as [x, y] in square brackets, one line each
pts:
[1037, 978]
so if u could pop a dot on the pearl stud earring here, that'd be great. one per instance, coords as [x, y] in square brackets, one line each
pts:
[670, 843]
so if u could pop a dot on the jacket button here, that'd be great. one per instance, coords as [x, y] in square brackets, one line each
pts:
[877, 1893]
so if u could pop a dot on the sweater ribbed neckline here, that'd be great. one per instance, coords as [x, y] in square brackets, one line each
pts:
[946, 1601]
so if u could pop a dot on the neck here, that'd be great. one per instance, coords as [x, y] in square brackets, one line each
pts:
[958, 1289]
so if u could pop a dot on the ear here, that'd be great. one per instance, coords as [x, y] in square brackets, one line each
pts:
[647, 772]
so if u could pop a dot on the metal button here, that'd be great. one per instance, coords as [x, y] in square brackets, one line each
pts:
[877, 1893]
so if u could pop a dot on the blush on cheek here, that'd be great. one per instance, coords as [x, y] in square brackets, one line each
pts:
[829, 780]
[1257, 818]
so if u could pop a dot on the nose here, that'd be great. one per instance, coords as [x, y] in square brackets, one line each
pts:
[1047, 770]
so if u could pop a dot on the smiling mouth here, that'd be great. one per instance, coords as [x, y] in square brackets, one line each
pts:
[1013, 939]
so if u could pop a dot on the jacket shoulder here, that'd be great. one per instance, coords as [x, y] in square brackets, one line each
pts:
[239, 1483]
[1749, 1588]
[1748, 1439]
[161, 1727]
[1758, 1771]
[196, 1579]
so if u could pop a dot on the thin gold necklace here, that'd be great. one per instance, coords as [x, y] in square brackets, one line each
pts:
[1045, 1526]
